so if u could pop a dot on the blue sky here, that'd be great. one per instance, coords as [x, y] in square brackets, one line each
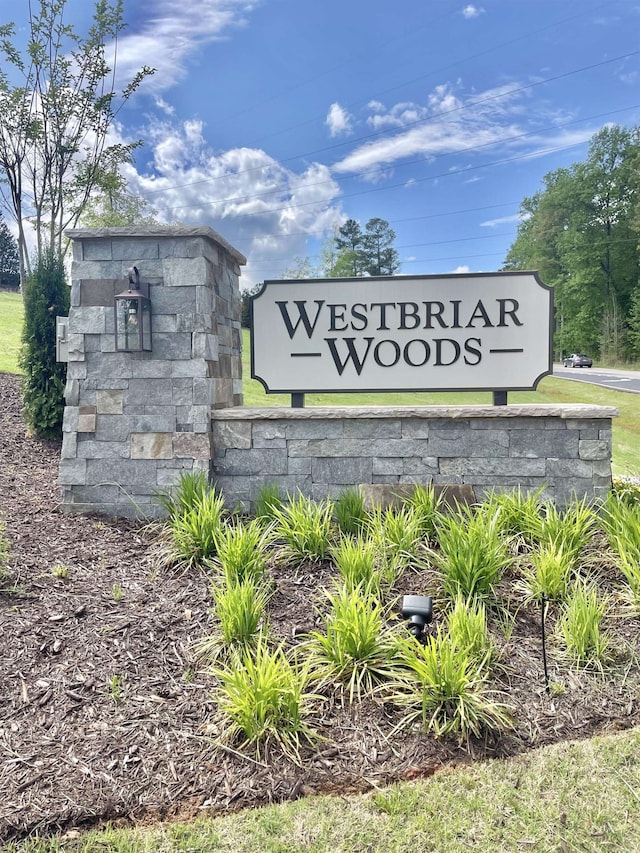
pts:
[272, 121]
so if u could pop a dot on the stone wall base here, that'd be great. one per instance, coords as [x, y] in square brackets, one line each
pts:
[565, 451]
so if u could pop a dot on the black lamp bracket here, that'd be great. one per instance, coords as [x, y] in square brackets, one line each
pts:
[134, 278]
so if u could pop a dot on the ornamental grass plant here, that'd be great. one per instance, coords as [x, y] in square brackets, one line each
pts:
[472, 554]
[355, 651]
[445, 690]
[356, 559]
[349, 512]
[620, 520]
[570, 528]
[264, 701]
[397, 534]
[580, 626]
[519, 511]
[193, 533]
[304, 527]
[550, 573]
[191, 488]
[427, 507]
[242, 550]
[268, 499]
[240, 608]
[468, 629]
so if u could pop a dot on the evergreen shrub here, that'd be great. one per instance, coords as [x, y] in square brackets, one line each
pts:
[46, 296]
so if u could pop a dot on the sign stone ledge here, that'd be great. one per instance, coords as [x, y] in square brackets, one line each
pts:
[575, 411]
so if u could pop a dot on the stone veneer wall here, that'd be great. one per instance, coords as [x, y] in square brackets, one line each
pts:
[134, 421]
[323, 451]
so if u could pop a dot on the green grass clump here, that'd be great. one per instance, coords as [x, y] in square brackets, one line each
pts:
[356, 560]
[580, 626]
[192, 534]
[468, 630]
[427, 507]
[240, 608]
[519, 510]
[620, 521]
[191, 489]
[550, 573]
[570, 528]
[241, 550]
[472, 555]
[398, 536]
[349, 512]
[304, 526]
[269, 498]
[354, 651]
[263, 701]
[446, 690]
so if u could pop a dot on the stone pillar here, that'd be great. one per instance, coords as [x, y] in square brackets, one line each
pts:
[134, 421]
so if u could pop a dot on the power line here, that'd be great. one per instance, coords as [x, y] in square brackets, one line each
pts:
[377, 134]
[465, 170]
[472, 148]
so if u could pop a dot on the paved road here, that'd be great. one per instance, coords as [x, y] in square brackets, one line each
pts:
[617, 380]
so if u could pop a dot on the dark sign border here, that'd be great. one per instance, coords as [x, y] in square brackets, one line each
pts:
[534, 273]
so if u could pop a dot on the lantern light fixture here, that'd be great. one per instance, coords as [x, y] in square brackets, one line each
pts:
[133, 316]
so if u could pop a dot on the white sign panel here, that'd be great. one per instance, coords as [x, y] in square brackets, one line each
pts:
[487, 331]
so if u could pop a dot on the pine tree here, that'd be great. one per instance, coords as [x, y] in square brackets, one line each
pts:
[9, 257]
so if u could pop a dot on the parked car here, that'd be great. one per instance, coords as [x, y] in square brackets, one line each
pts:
[577, 360]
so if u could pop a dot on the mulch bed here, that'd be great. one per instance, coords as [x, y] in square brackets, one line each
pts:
[105, 714]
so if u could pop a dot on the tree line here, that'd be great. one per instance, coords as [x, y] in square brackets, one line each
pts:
[581, 231]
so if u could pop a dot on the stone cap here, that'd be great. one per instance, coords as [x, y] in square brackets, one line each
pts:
[570, 411]
[136, 231]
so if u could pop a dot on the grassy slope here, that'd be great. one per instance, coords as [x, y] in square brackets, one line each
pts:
[10, 330]
[572, 796]
[626, 429]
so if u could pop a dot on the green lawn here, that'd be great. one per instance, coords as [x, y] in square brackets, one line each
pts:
[571, 796]
[626, 427]
[11, 314]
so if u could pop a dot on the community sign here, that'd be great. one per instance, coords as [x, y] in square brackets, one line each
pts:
[484, 331]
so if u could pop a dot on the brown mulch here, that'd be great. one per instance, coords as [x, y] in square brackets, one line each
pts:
[105, 713]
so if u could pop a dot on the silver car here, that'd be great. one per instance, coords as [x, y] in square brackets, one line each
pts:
[577, 360]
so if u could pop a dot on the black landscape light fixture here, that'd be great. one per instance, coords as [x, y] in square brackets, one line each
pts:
[418, 609]
[133, 316]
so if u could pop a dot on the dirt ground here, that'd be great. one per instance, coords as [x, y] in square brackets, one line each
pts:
[105, 713]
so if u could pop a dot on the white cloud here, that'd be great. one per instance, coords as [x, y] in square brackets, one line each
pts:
[502, 220]
[471, 11]
[451, 121]
[164, 106]
[338, 120]
[267, 211]
[172, 33]
[462, 270]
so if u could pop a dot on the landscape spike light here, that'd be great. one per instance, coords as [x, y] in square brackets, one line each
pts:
[418, 609]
